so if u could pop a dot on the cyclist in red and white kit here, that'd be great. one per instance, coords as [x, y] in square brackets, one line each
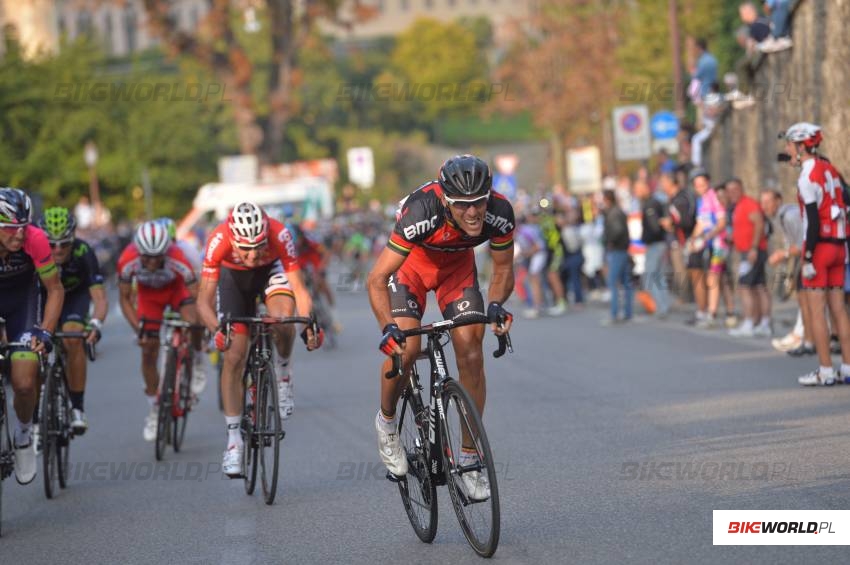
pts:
[431, 248]
[25, 259]
[821, 198]
[247, 257]
[164, 278]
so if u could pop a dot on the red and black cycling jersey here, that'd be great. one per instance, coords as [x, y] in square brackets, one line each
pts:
[423, 221]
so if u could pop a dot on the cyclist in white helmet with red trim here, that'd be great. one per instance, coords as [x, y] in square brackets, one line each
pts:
[821, 197]
[251, 256]
[164, 277]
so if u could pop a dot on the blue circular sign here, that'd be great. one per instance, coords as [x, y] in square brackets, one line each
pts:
[664, 125]
[631, 122]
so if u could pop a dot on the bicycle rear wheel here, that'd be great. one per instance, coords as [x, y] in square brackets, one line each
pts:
[249, 437]
[477, 512]
[417, 489]
[49, 432]
[269, 435]
[183, 399]
[166, 400]
[6, 451]
[63, 418]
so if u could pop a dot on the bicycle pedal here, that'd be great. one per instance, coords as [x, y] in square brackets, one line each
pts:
[393, 478]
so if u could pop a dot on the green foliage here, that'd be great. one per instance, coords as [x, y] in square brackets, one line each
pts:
[49, 109]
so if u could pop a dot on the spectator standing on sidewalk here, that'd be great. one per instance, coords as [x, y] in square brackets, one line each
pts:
[707, 250]
[679, 223]
[616, 239]
[571, 267]
[749, 238]
[787, 219]
[654, 237]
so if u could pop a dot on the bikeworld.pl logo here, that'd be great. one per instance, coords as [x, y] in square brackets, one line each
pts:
[780, 528]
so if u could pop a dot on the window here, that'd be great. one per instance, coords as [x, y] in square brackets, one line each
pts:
[84, 23]
[130, 28]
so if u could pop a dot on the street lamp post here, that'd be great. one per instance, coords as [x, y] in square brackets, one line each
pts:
[90, 155]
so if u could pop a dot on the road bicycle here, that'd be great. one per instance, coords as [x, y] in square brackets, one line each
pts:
[55, 413]
[260, 424]
[433, 436]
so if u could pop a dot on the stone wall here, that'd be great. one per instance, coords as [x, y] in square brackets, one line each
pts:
[810, 82]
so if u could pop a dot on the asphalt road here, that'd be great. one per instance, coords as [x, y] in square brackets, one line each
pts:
[614, 445]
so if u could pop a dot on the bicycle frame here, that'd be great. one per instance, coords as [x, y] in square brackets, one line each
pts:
[177, 337]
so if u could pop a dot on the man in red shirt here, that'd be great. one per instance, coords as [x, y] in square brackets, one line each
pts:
[749, 238]
[164, 278]
[250, 256]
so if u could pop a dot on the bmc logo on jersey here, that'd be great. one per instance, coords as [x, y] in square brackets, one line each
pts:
[500, 223]
[420, 227]
[214, 242]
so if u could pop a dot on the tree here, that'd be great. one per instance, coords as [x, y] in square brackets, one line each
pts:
[220, 47]
[564, 71]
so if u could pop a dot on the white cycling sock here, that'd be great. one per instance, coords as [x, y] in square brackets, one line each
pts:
[23, 433]
[151, 400]
[282, 368]
[845, 370]
[386, 423]
[233, 435]
[468, 456]
[827, 372]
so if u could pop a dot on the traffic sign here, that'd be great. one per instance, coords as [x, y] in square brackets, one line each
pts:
[631, 133]
[361, 167]
[664, 125]
[505, 185]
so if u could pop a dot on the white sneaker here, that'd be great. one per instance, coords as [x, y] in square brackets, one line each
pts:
[25, 467]
[231, 464]
[814, 379]
[149, 432]
[390, 448]
[557, 310]
[787, 343]
[79, 422]
[530, 313]
[199, 375]
[744, 330]
[762, 331]
[476, 485]
[285, 398]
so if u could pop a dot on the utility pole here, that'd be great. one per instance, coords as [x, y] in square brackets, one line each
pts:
[678, 100]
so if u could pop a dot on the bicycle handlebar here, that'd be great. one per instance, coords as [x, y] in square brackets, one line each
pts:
[78, 335]
[227, 323]
[444, 326]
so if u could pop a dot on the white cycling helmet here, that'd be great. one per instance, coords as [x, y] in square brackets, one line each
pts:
[152, 238]
[805, 133]
[248, 225]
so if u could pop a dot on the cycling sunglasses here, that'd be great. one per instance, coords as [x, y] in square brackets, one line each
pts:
[12, 228]
[466, 203]
[61, 243]
[249, 246]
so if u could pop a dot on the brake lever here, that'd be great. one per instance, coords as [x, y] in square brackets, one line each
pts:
[396, 370]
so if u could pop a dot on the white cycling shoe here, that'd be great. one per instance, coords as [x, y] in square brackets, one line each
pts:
[285, 398]
[231, 464]
[476, 485]
[79, 422]
[25, 467]
[815, 378]
[149, 432]
[390, 448]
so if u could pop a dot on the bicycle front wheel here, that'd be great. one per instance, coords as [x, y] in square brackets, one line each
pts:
[183, 402]
[49, 433]
[269, 434]
[417, 488]
[63, 439]
[472, 486]
[166, 400]
[6, 451]
[249, 437]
